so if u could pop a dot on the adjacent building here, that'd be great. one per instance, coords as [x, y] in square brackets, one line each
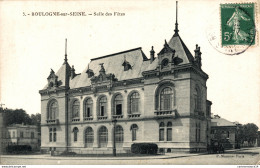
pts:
[224, 131]
[161, 99]
[20, 134]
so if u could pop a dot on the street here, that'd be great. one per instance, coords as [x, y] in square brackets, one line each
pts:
[232, 157]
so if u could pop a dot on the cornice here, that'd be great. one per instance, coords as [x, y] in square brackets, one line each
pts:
[121, 120]
[52, 90]
[178, 68]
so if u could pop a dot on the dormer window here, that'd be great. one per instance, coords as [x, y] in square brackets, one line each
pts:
[126, 65]
[52, 80]
[90, 73]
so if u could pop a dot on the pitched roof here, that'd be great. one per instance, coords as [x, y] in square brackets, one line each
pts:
[182, 51]
[113, 64]
[221, 122]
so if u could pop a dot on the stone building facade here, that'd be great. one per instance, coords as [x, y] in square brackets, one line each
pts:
[160, 100]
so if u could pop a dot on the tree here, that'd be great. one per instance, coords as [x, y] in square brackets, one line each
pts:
[17, 116]
[250, 132]
[240, 135]
[247, 132]
[36, 120]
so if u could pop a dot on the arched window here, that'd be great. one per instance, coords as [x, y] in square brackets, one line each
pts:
[166, 99]
[118, 101]
[88, 108]
[169, 131]
[102, 106]
[134, 103]
[161, 132]
[75, 109]
[119, 136]
[53, 110]
[89, 137]
[197, 99]
[102, 137]
[75, 133]
[134, 129]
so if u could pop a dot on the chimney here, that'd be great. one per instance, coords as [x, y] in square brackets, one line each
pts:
[197, 51]
[197, 57]
[152, 55]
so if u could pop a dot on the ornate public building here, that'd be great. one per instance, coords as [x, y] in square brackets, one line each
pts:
[161, 99]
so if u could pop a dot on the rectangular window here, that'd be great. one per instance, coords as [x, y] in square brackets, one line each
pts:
[88, 112]
[21, 134]
[169, 134]
[13, 134]
[161, 134]
[54, 137]
[119, 109]
[133, 134]
[167, 102]
[32, 135]
[134, 106]
[102, 111]
[50, 137]
[75, 136]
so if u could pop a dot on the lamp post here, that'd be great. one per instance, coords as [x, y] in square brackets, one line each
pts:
[114, 136]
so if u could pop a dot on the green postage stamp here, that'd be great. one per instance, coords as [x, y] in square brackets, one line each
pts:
[237, 24]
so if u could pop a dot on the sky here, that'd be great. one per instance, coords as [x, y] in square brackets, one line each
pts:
[31, 45]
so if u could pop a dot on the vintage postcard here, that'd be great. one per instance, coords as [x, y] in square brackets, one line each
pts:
[129, 83]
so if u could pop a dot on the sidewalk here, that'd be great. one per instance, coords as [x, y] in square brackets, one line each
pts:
[48, 156]
[166, 156]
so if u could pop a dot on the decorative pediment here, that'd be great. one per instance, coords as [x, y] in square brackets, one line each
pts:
[103, 77]
[166, 49]
[53, 80]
